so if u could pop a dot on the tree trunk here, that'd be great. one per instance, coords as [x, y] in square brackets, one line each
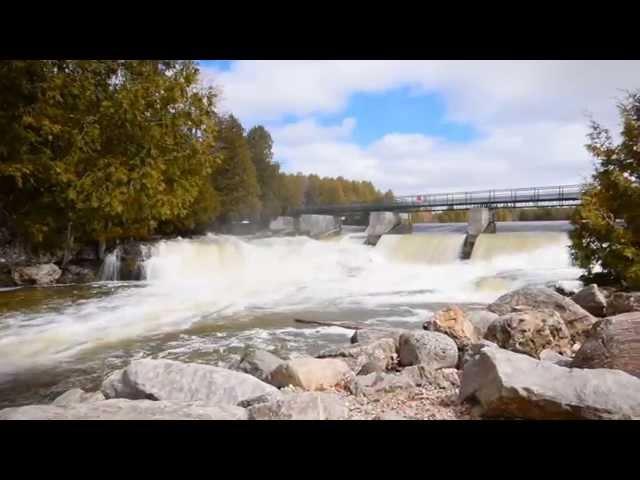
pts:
[68, 246]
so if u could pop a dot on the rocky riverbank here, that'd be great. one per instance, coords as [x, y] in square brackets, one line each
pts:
[532, 354]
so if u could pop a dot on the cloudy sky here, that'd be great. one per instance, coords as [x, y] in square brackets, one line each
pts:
[428, 126]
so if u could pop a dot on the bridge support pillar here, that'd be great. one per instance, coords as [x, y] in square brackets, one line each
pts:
[481, 220]
[318, 226]
[381, 223]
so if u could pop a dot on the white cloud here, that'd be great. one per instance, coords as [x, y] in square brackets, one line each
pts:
[532, 116]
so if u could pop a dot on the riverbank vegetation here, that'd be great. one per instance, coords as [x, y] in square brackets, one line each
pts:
[106, 150]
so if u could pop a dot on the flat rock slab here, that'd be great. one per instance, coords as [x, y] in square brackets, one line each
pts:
[124, 409]
[301, 406]
[312, 373]
[507, 384]
[182, 382]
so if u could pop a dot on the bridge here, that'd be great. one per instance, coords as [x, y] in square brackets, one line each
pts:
[555, 196]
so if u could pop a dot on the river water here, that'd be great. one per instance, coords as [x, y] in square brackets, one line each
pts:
[206, 299]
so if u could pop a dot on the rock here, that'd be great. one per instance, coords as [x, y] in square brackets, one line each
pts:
[182, 382]
[87, 254]
[421, 375]
[623, 302]
[452, 321]
[259, 363]
[507, 384]
[567, 288]
[379, 382]
[311, 373]
[592, 300]
[433, 349]
[376, 356]
[368, 335]
[6, 279]
[576, 319]
[554, 357]
[481, 319]
[473, 350]
[264, 398]
[301, 406]
[77, 395]
[124, 409]
[43, 274]
[614, 342]
[530, 332]
[389, 416]
[77, 274]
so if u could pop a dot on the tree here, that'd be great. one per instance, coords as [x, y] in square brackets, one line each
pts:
[267, 172]
[606, 234]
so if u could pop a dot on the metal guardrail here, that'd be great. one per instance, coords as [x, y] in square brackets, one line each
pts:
[559, 195]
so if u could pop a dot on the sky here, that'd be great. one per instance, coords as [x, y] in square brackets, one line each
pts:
[428, 126]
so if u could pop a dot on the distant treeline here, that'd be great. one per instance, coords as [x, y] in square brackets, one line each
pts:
[104, 150]
[501, 215]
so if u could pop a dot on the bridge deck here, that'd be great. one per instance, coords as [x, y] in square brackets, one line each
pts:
[556, 196]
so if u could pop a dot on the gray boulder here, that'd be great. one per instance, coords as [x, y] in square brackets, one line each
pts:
[507, 384]
[623, 302]
[433, 349]
[259, 363]
[182, 382]
[376, 356]
[530, 332]
[123, 409]
[368, 335]
[481, 319]
[77, 274]
[576, 318]
[592, 300]
[421, 375]
[472, 351]
[301, 406]
[379, 382]
[43, 274]
[614, 342]
[77, 395]
[554, 357]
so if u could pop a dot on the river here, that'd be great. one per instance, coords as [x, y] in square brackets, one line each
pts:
[206, 299]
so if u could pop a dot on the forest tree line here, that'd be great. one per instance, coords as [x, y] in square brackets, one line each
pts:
[104, 150]
[501, 215]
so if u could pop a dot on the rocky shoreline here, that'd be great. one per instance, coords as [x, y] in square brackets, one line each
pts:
[532, 354]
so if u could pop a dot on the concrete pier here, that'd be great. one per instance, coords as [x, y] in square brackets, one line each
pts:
[381, 223]
[481, 220]
[318, 226]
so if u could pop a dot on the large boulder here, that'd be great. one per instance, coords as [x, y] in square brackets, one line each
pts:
[567, 288]
[552, 356]
[124, 409]
[43, 274]
[77, 395]
[623, 302]
[312, 373]
[453, 322]
[259, 363]
[380, 382]
[592, 300]
[421, 375]
[368, 335]
[614, 342]
[472, 351]
[576, 318]
[376, 356]
[481, 319]
[77, 274]
[508, 384]
[433, 349]
[530, 332]
[182, 382]
[300, 406]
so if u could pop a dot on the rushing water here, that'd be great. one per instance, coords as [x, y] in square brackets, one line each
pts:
[206, 299]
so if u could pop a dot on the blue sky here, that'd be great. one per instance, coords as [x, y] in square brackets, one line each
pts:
[427, 126]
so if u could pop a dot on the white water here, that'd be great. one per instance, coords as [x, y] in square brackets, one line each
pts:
[218, 279]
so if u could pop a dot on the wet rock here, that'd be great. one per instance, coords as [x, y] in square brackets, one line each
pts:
[368, 335]
[124, 409]
[614, 342]
[312, 373]
[422, 375]
[301, 406]
[576, 319]
[182, 382]
[623, 302]
[259, 363]
[481, 319]
[592, 300]
[530, 332]
[43, 274]
[508, 384]
[433, 349]
[452, 321]
[77, 395]
[554, 357]
[77, 274]
[379, 382]
[376, 356]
